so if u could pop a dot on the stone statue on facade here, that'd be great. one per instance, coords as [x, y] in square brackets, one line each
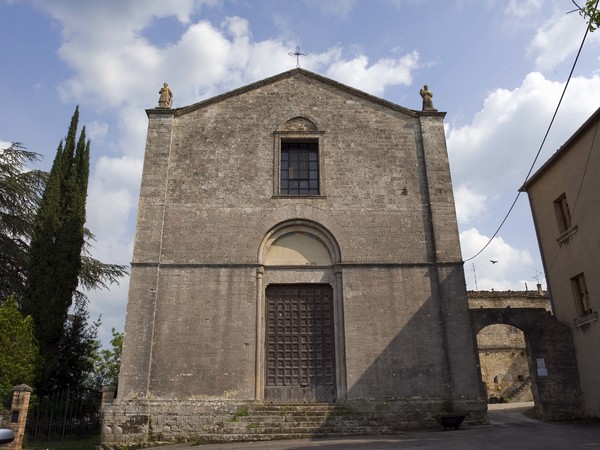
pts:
[166, 97]
[427, 97]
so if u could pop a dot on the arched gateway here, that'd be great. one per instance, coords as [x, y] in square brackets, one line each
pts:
[551, 357]
[300, 351]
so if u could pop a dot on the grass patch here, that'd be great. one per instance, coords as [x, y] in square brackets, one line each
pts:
[239, 413]
[344, 413]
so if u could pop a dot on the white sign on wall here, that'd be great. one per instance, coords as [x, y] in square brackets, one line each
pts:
[541, 367]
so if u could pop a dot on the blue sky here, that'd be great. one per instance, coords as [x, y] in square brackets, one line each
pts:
[497, 67]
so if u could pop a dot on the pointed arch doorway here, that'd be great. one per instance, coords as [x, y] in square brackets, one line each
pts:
[300, 348]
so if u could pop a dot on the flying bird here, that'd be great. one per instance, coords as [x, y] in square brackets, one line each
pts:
[493, 262]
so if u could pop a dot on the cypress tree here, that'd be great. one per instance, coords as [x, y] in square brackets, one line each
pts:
[56, 246]
[21, 192]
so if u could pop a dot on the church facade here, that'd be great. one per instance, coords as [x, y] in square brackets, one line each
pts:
[296, 244]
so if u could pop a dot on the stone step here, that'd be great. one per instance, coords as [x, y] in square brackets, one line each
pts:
[317, 420]
[295, 417]
[280, 421]
[297, 429]
[291, 409]
[291, 406]
[284, 421]
[247, 437]
[332, 421]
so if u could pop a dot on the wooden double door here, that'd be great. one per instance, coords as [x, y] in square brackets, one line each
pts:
[300, 349]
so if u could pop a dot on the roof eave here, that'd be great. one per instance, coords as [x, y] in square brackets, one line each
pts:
[561, 150]
[290, 73]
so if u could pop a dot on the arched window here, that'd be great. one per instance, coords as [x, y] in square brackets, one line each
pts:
[297, 248]
[299, 242]
[298, 158]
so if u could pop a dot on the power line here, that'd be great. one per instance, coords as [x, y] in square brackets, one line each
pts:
[587, 28]
[585, 169]
[587, 163]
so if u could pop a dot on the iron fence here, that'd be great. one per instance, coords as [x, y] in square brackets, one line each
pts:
[64, 420]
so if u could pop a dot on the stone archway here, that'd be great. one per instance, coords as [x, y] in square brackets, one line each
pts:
[551, 356]
[504, 364]
[300, 350]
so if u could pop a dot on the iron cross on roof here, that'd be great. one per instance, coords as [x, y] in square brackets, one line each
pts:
[297, 54]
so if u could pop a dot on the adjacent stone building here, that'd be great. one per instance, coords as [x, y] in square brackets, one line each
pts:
[564, 195]
[296, 244]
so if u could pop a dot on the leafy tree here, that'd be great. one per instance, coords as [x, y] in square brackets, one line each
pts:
[109, 362]
[44, 248]
[20, 194]
[95, 274]
[19, 355]
[77, 353]
[589, 11]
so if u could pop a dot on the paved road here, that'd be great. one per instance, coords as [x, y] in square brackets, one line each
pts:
[509, 429]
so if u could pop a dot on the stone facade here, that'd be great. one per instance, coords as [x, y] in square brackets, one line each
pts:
[564, 195]
[4, 417]
[217, 228]
[502, 348]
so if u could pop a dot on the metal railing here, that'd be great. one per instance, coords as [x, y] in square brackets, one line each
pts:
[64, 420]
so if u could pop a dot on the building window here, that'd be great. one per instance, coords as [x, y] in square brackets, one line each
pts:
[580, 292]
[298, 159]
[563, 214]
[299, 168]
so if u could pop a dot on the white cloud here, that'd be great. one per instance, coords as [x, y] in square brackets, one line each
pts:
[496, 148]
[374, 78]
[108, 76]
[558, 39]
[336, 8]
[523, 8]
[103, 44]
[405, 3]
[493, 154]
[512, 263]
[117, 69]
[205, 61]
[469, 204]
[115, 20]
[490, 158]
[96, 131]
[111, 306]
[112, 197]
[123, 171]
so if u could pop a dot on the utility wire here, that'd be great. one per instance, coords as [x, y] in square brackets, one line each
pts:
[587, 163]
[587, 28]
[585, 169]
